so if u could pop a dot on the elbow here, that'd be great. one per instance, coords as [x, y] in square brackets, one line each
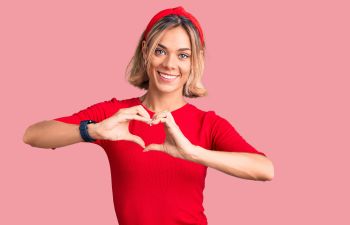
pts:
[269, 173]
[28, 141]
[31, 138]
[268, 177]
[272, 175]
[26, 138]
[266, 173]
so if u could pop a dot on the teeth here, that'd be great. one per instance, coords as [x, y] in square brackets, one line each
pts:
[167, 76]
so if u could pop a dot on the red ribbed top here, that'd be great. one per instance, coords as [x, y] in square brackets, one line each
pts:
[154, 188]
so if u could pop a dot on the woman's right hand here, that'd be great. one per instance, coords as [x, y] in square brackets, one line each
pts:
[116, 127]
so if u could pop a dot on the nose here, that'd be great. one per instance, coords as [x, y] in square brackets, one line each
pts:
[170, 62]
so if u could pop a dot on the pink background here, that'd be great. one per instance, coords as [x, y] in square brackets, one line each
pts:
[278, 70]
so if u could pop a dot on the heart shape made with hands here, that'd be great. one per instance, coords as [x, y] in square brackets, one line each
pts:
[175, 144]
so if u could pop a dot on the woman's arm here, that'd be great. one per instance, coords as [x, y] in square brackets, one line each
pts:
[244, 165]
[53, 134]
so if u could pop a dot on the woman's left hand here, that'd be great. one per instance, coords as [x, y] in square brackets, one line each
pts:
[175, 144]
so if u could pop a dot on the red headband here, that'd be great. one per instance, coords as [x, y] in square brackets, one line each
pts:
[177, 11]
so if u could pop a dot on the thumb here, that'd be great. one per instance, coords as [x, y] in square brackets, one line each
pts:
[136, 139]
[157, 147]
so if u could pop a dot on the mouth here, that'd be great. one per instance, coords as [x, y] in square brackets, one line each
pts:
[167, 77]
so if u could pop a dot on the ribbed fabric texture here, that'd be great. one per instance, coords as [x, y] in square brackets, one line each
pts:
[153, 188]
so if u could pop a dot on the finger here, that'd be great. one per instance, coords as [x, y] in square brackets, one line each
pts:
[154, 121]
[142, 111]
[159, 114]
[158, 120]
[136, 117]
[138, 109]
[136, 139]
[156, 117]
[167, 121]
[169, 115]
[164, 114]
[156, 147]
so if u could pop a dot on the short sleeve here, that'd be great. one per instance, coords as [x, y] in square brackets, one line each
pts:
[226, 138]
[96, 112]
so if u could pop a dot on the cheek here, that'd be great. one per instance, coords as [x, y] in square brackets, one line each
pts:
[185, 69]
[155, 62]
[153, 67]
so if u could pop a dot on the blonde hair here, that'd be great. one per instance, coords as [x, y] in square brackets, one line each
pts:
[136, 71]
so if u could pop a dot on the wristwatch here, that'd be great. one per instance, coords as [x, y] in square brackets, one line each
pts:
[84, 130]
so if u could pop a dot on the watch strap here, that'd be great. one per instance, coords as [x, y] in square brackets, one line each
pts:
[84, 130]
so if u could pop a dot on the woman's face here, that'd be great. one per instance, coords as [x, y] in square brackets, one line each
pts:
[170, 63]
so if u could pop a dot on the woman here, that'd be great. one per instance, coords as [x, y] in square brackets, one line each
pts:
[159, 146]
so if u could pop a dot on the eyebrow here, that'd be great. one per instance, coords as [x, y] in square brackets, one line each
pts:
[180, 49]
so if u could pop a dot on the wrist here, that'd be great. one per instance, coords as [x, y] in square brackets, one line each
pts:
[93, 131]
[193, 156]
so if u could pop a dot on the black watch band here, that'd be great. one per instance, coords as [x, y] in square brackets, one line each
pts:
[84, 130]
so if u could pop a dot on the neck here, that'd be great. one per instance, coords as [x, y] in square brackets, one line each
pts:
[158, 102]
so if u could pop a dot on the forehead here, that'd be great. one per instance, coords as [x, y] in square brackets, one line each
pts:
[175, 38]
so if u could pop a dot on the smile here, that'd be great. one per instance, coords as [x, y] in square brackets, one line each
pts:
[167, 77]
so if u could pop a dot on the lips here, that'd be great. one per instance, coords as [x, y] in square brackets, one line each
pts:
[167, 77]
[168, 74]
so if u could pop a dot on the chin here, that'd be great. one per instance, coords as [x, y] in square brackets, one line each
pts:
[165, 89]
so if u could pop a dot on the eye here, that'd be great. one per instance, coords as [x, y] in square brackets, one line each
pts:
[158, 50]
[184, 56]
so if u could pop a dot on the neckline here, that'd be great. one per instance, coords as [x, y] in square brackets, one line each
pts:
[138, 100]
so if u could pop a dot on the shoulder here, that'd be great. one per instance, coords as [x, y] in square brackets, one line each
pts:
[112, 105]
[207, 116]
[119, 103]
